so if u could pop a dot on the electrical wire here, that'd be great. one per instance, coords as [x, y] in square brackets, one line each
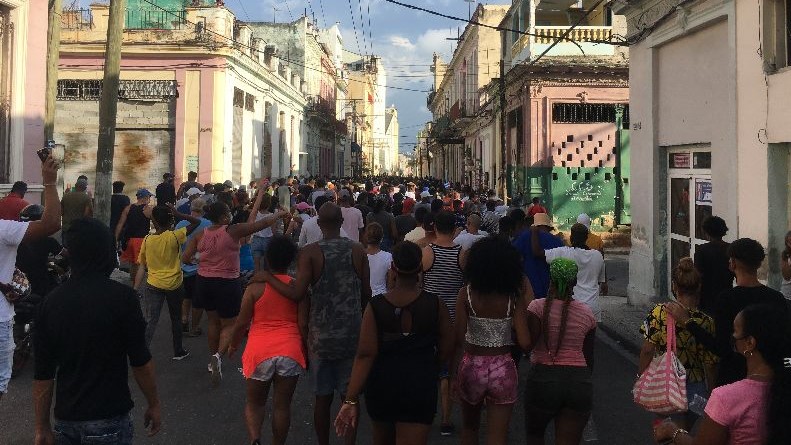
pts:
[323, 17]
[499, 28]
[243, 9]
[370, 36]
[255, 50]
[351, 13]
[362, 23]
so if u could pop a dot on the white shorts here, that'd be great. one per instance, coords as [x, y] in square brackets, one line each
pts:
[283, 366]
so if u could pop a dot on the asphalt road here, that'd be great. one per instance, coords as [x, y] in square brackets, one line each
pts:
[195, 413]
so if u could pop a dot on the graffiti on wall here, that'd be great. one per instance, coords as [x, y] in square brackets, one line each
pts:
[584, 191]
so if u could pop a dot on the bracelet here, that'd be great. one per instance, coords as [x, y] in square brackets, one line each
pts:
[677, 432]
[350, 402]
[47, 185]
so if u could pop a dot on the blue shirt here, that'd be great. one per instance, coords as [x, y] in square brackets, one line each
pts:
[191, 269]
[536, 269]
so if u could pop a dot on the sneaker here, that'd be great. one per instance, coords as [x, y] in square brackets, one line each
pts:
[209, 367]
[446, 429]
[181, 355]
[216, 370]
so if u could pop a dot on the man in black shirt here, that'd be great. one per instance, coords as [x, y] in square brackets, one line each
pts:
[86, 330]
[118, 202]
[745, 258]
[166, 191]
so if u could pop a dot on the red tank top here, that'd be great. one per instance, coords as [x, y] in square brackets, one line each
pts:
[219, 254]
[274, 331]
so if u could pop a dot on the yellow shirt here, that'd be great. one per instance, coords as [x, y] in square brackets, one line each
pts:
[162, 256]
[594, 242]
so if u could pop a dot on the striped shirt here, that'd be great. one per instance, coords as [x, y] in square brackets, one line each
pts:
[444, 278]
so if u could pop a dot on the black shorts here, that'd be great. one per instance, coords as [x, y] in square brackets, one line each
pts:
[223, 295]
[189, 287]
[550, 389]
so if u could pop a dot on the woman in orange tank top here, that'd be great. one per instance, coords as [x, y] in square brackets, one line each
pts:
[275, 350]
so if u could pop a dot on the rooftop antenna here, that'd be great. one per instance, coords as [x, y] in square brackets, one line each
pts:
[469, 8]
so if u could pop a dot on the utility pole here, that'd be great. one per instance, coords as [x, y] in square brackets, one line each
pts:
[108, 109]
[53, 57]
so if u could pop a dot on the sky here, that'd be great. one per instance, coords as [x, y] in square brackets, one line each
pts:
[405, 40]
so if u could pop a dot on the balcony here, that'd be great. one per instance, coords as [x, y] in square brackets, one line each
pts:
[205, 25]
[582, 39]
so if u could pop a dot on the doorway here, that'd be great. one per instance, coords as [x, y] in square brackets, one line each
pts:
[689, 203]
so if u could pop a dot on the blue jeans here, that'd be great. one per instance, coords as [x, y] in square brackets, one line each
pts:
[6, 353]
[116, 430]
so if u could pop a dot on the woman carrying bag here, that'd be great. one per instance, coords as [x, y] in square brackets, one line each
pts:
[699, 363]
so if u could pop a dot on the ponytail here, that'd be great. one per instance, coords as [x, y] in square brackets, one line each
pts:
[771, 329]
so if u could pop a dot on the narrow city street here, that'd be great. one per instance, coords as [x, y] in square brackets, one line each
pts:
[195, 413]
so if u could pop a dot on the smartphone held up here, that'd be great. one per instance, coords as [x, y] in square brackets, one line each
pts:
[57, 151]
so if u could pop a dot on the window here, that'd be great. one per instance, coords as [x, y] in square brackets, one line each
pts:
[577, 113]
[238, 98]
[777, 34]
[249, 102]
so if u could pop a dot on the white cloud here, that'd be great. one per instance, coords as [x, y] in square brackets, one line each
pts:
[402, 42]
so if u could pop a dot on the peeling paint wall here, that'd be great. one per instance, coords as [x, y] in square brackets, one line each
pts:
[144, 141]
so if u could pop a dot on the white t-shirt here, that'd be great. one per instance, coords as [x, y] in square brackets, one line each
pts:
[352, 222]
[466, 239]
[379, 264]
[590, 272]
[415, 235]
[311, 232]
[267, 231]
[11, 234]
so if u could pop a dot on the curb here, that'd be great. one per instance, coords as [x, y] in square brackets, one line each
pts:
[620, 339]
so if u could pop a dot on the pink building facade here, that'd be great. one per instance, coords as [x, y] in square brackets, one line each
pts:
[209, 99]
[23, 30]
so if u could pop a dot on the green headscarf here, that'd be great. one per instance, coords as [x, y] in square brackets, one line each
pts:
[562, 271]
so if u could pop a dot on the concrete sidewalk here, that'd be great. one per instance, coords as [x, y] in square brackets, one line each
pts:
[621, 321]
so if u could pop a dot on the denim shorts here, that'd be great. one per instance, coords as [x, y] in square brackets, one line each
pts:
[6, 353]
[329, 376]
[116, 430]
[282, 366]
[259, 245]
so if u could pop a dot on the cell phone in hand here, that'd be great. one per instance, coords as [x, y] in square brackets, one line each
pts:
[43, 153]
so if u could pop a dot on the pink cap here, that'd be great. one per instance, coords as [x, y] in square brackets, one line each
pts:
[302, 206]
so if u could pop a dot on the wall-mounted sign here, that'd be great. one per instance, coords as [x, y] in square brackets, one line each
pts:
[680, 160]
[703, 191]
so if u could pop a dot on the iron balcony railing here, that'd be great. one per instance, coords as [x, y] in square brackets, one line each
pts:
[140, 19]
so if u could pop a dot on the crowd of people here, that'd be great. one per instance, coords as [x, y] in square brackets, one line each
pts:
[417, 297]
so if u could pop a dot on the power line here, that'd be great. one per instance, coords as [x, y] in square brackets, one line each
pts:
[500, 28]
[255, 50]
[354, 26]
[323, 17]
[370, 36]
[362, 23]
[290, 15]
[243, 9]
[310, 6]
